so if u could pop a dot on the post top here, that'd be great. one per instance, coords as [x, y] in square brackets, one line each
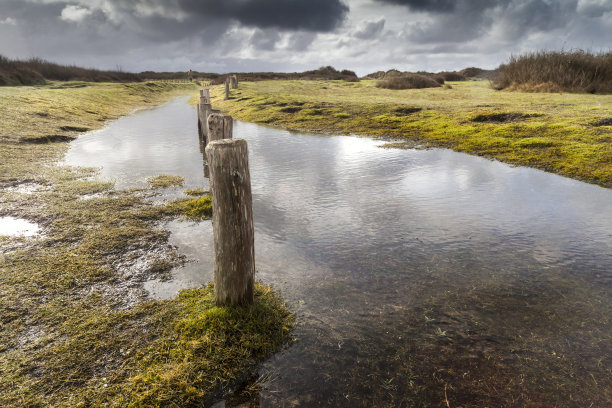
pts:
[216, 114]
[223, 143]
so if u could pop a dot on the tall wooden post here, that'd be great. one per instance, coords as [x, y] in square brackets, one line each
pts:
[226, 88]
[233, 230]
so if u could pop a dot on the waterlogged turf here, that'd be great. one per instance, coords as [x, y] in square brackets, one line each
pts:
[564, 133]
[76, 325]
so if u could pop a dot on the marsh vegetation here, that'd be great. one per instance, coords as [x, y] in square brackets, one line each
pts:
[77, 328]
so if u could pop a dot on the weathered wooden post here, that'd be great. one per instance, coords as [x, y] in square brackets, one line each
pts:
[204, 110]
[220, 126]
[226, 89]
[233, 230]
[204, 96]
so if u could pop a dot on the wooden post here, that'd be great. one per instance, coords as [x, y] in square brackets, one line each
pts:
[220, 126]
[203, 113]
[226, 89]
[233, 230]
[204, 96]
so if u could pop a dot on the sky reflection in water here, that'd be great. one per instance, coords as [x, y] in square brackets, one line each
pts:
[411, 271]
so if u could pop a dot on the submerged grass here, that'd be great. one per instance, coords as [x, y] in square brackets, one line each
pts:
[196, 209]
[166, 180]
[552, 132]
[76, 328]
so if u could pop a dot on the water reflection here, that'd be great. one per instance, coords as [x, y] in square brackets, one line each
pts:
[11, 226]
[417, 275]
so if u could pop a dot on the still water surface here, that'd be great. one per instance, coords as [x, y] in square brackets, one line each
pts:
[418, 276]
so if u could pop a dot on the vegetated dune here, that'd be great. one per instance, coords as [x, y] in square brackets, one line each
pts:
[394, 79]
[36, 71]
[555, 71]
[323, 73]
[410, 81]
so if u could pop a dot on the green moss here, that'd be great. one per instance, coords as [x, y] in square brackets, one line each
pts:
[559, 133]
[196, 192]
[165, 180]
[195, 209]
[342, 115]
[210, 346]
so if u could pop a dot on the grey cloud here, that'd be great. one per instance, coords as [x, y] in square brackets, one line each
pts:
[370, 29]
[265, 39]
[314, 15]
[300, 41]
[510, 19]
[225, 35]
[594, 8]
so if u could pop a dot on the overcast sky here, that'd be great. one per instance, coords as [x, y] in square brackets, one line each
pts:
[295, 35]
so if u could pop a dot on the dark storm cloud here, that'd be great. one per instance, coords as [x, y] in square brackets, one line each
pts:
[425, 5]
[71, 30]
[312, 15]
[511, 20]
[228, 35]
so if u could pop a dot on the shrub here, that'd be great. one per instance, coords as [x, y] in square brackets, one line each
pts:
[408, 81]
[452, 76]
[571, 71]
[438, 78]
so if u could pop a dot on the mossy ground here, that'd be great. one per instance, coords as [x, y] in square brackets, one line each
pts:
[554, 132]
[76, 328]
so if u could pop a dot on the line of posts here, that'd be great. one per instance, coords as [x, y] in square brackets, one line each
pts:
[226, 164]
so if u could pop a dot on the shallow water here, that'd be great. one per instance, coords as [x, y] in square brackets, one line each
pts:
[419, 276]
[11, 226]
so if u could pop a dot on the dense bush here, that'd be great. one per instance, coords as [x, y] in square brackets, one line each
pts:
[552, 71]
[452, 76]
[408, 81]
[36, 71]
[14, 73]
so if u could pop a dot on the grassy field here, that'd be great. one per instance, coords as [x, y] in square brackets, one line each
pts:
[76, 327]
[568, 134]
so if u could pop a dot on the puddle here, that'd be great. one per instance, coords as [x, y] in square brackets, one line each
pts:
[416, 274]
[193, 241]
[16, 227]
[25, 189]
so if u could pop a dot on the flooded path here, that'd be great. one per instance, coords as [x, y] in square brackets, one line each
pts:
[418, 276]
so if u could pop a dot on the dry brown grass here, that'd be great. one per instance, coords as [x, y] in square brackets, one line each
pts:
[556, 71]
